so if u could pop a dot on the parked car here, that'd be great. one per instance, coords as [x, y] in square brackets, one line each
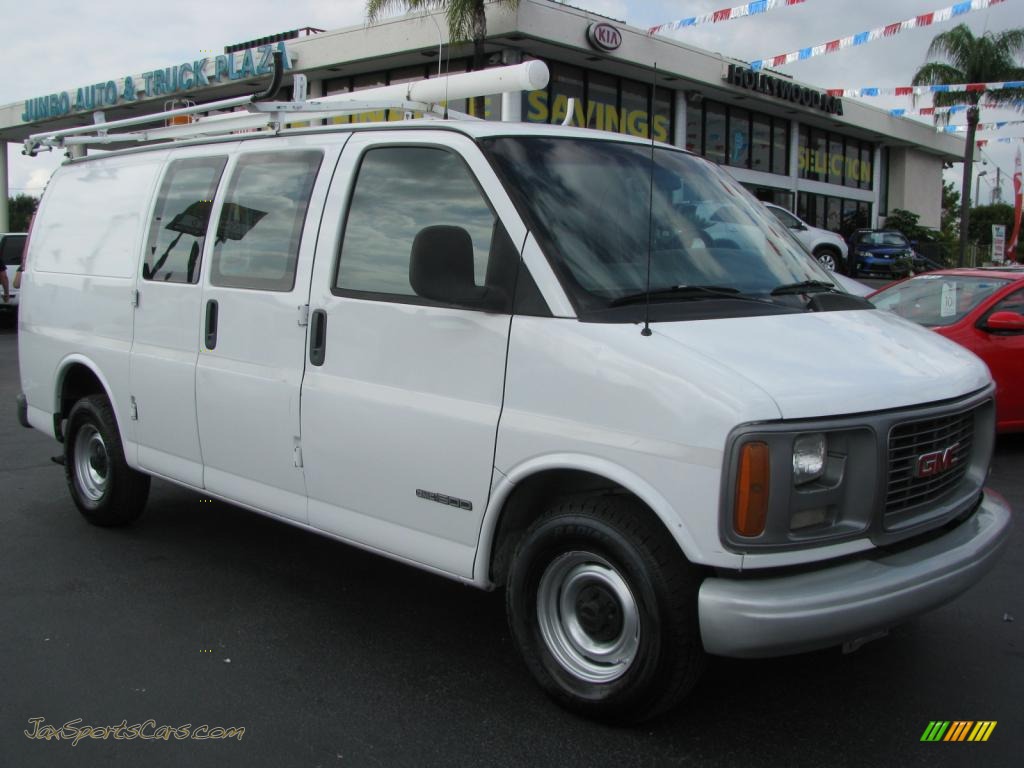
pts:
[826, 246]
[12, 246]
[982, 309]
[661, 442]
[880, 252]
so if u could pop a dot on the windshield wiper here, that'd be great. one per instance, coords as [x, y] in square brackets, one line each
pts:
[684, 293]
[804, 286]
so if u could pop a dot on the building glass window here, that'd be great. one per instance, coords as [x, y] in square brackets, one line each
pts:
[566, 83]
[714, 132]
[695, 128]
[851, 164]
[780, 146]
[661, 122]
[761, 143]
[835, 159]
[602, 101]
[635, 109]
[739, 137]
[866, 169]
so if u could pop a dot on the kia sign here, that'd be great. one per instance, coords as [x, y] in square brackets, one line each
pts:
[604, 37]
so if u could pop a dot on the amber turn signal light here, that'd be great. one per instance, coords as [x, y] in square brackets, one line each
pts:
[751, 509]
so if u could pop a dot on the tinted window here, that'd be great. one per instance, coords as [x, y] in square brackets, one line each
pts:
[260, 226]
[399, 192]
[178, 229]
[1012, 303]
[785, 218]
[12, 248]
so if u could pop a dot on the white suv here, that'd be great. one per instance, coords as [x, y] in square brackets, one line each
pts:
[12, 245]
[477, 348]
[826, 246]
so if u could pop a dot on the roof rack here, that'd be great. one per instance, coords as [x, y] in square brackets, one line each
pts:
[254, 111]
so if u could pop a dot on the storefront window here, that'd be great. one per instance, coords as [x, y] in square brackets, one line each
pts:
[695, 128]
[835, 213]
[714, 132]
[566, 83]
[780, 146]
[602, 101]
[835, 159]
[661, 123]
[739, 137]
[634, 113]
[761, 143]
[866, 166]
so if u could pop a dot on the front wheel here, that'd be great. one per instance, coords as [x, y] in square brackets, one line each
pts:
[603, 606]
[104, 488]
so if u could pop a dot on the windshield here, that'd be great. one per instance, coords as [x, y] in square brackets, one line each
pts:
[936, 300]
[886, 239]
[589, 202]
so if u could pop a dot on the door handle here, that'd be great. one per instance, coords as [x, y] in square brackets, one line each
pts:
[318, 337]
[211, 324]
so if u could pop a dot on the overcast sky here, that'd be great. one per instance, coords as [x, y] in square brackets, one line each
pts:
[60, 45]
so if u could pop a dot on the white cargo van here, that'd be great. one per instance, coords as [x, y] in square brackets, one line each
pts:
[510, 355]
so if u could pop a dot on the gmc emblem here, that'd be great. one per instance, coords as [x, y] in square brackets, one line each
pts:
[936, 462]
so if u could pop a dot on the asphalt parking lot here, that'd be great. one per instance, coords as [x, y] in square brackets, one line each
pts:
[202, 613]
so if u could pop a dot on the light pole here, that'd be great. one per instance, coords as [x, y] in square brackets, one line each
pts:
[977, 188]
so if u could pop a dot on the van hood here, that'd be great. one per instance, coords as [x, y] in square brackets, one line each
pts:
[830, 363]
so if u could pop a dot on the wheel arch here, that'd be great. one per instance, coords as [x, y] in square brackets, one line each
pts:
[78, 377]
[522, 495]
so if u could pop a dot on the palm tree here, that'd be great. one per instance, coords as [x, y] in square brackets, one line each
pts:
[993, 57]
[467, 20]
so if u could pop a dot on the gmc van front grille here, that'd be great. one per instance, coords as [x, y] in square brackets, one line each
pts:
[928, 460]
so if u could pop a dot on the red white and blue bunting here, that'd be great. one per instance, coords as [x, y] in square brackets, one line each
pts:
[868, 36]
[921, 90]
[726, 14]
[1007, 140]
[981, 126]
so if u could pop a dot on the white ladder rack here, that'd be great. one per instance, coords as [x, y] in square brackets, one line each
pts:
[425, 96]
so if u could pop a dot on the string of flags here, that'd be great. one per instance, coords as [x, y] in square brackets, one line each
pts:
[981, 126]
[954, 109]
[1007, 140]
[920, 90]
[726, 14]
[862, 38]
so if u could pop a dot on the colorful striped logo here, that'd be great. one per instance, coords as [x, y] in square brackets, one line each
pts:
[958, 730]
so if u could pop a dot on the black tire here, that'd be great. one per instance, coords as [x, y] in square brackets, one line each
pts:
[829, 259]
[104, 488]
[589, 536]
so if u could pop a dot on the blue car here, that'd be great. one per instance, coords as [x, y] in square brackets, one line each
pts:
[882, 252]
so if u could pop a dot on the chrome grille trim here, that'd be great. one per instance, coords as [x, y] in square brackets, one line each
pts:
[908, 441]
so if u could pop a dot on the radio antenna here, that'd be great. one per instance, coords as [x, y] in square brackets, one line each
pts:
[650, 209]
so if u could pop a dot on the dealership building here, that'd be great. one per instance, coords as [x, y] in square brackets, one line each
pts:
[837, 163]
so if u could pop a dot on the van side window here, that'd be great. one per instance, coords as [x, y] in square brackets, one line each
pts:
[178, 230]
[260, 227]
[403, 192]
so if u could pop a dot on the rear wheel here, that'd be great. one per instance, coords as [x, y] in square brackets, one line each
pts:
[104, 488]
[829, 259]
[603, 606]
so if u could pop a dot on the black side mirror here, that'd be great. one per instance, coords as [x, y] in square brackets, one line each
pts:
[441, 269]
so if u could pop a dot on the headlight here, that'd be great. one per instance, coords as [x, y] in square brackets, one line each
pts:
[809, 454]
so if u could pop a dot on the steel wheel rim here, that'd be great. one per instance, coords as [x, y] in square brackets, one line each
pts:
[588, 617]
[92, 463]
[828, 262]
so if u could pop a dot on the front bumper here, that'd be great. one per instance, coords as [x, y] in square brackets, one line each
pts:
[760, 617]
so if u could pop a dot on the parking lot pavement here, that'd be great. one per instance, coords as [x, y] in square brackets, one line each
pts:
[204, 614]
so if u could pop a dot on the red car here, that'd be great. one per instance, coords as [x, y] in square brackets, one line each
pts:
[982, 309]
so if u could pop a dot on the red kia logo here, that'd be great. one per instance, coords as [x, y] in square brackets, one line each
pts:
[604, 36]
[936, 462]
